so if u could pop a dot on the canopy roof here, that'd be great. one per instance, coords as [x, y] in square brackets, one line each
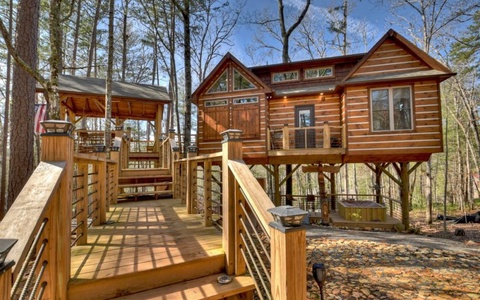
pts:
[86, 97]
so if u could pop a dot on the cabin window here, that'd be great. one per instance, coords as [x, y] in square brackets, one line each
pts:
[319, 72]
[221, 85]
[391, 108]
[285, 76]
[212, 103]
[245, 100]
[240, 82]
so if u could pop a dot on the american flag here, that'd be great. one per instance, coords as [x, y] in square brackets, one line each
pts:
[40, 112]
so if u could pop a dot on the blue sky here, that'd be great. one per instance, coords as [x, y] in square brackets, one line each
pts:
[377, 17]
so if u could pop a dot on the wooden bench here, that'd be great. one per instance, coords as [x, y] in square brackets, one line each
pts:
[202, 288]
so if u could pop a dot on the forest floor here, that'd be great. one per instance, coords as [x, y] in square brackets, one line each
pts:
[428, 264]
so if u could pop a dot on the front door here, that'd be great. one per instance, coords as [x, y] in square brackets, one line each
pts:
[304, 118]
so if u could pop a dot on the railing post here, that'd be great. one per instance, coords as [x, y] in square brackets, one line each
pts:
[59, 146]
[288, 254]
[103, 206]
[191, 180]
[82, 206]
[326, 135]
[286, 145]
[232, 149]
[115, 156]
[6, 279]
[207, 192]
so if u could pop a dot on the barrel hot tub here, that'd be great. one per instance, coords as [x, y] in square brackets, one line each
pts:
[362, 211]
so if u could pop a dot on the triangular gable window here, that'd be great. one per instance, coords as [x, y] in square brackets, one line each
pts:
[221, 85]
[240, 82]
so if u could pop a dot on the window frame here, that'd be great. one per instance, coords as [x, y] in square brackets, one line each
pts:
[215, 105]
[257, 100]
[209, 91]
[318, 77]
[391, 110]
[285, 80]
[234, 82]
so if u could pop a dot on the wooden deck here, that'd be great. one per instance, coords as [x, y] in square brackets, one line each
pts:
[338, 221]
[145, 242]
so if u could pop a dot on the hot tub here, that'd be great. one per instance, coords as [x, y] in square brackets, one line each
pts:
[362, 211]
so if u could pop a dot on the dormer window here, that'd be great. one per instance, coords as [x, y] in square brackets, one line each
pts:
[240, 82]
[221, 85]
[284, 76]
[319, 73]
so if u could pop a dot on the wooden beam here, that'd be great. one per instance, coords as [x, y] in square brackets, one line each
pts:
[321, 168]
[289, 175]
[412, 169]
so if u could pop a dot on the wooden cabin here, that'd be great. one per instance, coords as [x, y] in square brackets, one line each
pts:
[378, 108]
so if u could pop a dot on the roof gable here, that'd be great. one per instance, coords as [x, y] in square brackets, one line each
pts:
[392, 56]
[224, 64]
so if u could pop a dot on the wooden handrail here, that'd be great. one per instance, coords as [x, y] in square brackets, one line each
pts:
[256, 197]
[29, 208]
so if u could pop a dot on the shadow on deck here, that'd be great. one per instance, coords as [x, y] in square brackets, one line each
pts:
[144, 245]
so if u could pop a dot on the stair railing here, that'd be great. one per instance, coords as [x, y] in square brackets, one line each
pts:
[274, 256]
[42, 218]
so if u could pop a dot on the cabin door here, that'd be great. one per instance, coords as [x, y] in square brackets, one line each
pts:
[304, 118]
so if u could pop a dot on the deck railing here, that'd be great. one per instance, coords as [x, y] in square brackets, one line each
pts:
[50, 215]
[325, 136]
[250, 242]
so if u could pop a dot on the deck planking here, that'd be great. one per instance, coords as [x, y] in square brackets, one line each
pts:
[141, 236]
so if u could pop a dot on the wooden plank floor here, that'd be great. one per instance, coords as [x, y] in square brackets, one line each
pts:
[143, 235]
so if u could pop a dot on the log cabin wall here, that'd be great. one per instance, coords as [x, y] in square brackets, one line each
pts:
[233, 109]
[417, 140]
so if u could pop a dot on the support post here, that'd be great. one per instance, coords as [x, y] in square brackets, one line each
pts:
[232, 149]
[288, 253]
[103, 206]
[286, 144]
[333, 191]
[276, 185]
[405, 194]
[58, 146]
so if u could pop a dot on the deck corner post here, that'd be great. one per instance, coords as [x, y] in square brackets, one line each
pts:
[405, 194]
[59, 146]
[288, 254]
[326, 135]
[232, 149]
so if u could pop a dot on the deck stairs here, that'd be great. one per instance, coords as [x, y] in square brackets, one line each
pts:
[148, 182]
[193, 279]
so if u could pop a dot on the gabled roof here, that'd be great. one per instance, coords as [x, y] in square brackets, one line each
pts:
[227, 58]
[437, 69]
[89, 86]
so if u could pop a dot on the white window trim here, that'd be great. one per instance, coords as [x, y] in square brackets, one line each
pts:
[318, 77]
[390, 108]
[286, 80]
[214, 100]
[253, 97]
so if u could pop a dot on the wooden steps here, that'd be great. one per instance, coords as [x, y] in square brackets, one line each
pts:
[201, 288]
[155, 182]
[126, 284]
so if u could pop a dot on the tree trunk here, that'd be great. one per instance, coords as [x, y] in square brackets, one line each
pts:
[23, 96]
[3, 196]
[108, 97]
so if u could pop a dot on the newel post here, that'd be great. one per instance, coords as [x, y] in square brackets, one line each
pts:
[288, 253]
[231, 149]
[58, 145]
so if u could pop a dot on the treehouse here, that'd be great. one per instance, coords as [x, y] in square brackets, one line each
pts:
[378, 108]
[220, 236]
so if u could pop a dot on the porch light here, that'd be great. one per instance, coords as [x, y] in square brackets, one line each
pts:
[288, 216]
[320, 275]
[192, 149]
[232, 135]
[57, 127]
[5, 247]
